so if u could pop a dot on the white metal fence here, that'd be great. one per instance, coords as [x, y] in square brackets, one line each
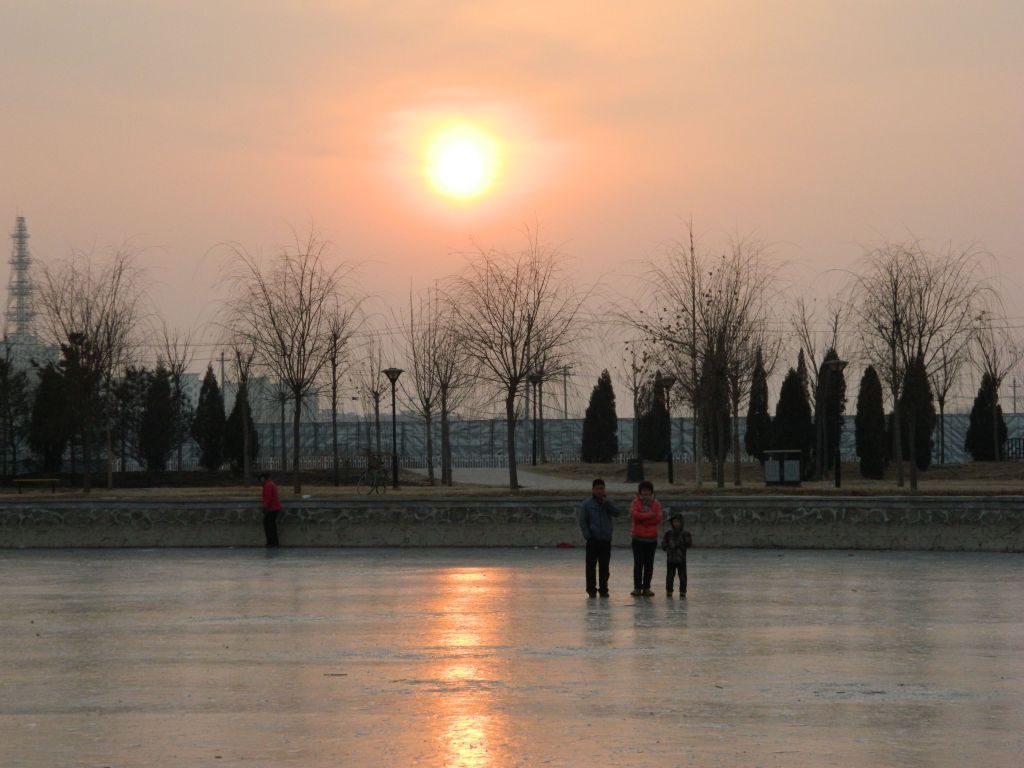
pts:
[482, 443]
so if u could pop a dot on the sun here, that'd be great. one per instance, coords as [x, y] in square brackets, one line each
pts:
[462, 161]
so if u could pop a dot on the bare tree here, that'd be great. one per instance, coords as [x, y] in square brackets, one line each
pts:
[440, 372]
[746, 326]
[672, 327]
[91, 308]
[279, 396]
[371, 381]
[710, 317]
[421, 331]
[176, 354]
[550, 369]
[944, 375]
[995, 352]
[342, 324]
[912, 304]
[284, 311]
[815, 334]
[636, 364]
[884, 313]
[514, 311]
[456, 374]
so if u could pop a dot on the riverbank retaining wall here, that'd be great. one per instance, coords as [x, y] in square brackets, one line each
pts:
[947, 523]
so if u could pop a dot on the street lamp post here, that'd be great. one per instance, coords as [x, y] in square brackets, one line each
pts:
[393, 374]
[835, 367]
[534, 380]
[667, 382]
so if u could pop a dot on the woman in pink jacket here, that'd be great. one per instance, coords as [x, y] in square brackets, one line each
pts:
[645, 513]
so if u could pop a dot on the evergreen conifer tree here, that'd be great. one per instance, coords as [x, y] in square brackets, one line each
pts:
[801, 369]
[50, 423]
[869, 427]
[233, 432]
[156, 435]
[793, 427]
[917, 413]
[208, 424]
[600, 423]
[653, 420]
[759, 421]
[127, 407]
[981, 439]
[15, 413]
[83, 381]
[832, 384]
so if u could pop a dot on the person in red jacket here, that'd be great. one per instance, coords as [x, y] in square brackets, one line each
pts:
[645, 513]
[271, 503]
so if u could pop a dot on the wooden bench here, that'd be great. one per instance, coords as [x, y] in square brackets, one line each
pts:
[53, 482]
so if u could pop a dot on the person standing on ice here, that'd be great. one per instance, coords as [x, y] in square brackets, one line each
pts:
[595, 519]
[675, 543]
[270, 502]
[645, 512]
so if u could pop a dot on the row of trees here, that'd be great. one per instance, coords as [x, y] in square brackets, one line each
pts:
[915, 319]
[795, 427]
[508, 322]
[511, 323]
[150, 419]
[232, 439]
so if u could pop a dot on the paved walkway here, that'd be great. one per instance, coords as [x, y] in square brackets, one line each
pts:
[498, 478]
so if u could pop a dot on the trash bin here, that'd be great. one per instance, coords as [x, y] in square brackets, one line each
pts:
[634, 470]
[782, 467]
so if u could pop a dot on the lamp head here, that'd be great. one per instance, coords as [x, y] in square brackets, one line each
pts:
[393, 374]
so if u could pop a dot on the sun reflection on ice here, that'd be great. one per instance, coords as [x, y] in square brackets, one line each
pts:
[472, 728]
[467, 739]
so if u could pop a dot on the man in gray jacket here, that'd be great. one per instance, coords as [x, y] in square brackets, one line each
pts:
[596, 526]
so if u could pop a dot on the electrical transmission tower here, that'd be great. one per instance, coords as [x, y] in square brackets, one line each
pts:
[21, 346]
[18, 322]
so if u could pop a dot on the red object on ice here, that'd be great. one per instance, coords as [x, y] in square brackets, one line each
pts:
[564, 545]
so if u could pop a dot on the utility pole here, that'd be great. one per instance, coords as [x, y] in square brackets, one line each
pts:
[565, 393]
[697, 426]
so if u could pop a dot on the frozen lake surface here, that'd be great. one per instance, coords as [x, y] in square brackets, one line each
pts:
[498, 658]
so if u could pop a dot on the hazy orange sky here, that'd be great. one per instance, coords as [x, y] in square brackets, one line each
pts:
[817, 126]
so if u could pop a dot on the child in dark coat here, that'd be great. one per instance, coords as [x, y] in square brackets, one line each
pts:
[675, 542]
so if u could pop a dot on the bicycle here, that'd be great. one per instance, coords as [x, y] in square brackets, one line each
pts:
[374, 479]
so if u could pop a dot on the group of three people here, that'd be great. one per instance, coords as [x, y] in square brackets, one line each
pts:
[595, 519]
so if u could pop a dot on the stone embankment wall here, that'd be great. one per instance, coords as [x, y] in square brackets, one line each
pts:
[973, 524]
